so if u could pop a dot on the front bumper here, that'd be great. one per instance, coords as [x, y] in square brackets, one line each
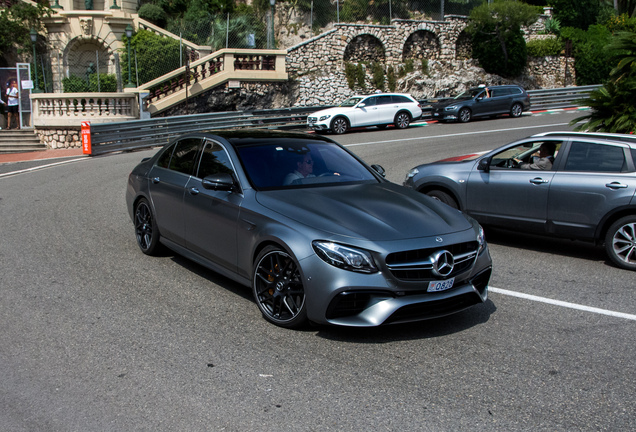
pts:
[343, 298]
[317, 126]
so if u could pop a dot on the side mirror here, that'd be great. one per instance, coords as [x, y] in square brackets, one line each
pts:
[379, 169]
[362, 105]
[484, 165]
[219, 182]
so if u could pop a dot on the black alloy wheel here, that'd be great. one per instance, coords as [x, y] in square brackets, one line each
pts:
[278, 288]
[146, 228]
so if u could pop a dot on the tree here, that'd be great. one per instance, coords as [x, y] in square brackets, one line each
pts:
[498, 43]
[576, 13]
[612, 107]
[15, 23]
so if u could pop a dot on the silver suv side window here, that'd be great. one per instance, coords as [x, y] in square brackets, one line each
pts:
[595, 157]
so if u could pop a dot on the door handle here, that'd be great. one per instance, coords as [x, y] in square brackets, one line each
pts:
[156, 180]
[538, 180]
[194, 191]
[616, 185]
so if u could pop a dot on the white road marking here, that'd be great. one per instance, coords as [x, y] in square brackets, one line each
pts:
[41, 167]
[563, 304]
[457, 134]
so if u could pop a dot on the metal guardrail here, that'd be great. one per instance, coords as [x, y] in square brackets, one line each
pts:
[138, 134]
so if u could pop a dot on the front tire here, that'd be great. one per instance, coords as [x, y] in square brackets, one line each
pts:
[402, 120]
[146, 230]
[443, 197]
[516, 110]
[339, 125]
[464, 115]
[278, 288]
[620, 242]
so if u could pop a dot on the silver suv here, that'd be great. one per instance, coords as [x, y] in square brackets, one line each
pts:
[586, 193]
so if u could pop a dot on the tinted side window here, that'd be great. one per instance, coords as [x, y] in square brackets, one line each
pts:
[497, 92]
[185, 155]
[515, 90]
[164, 159]
[401, 99]
[214, 160]
[370, 101]
[591, 157]
[384, 100]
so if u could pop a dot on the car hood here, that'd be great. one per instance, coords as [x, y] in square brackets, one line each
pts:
[330, 111]
[445, 103]
[377, 212]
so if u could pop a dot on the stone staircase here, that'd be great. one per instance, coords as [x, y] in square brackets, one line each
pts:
[19, 141]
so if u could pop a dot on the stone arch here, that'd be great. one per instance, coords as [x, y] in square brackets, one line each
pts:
[464, 46]
[81, 56]
[365, 48]
[421, 44]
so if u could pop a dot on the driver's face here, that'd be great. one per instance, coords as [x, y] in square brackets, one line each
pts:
[306, 166]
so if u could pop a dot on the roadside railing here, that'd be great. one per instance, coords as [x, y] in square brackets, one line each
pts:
[137, 134]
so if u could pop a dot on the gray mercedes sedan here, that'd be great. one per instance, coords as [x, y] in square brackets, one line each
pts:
[316, 233]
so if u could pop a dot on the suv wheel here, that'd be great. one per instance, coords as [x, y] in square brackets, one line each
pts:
[339, 125]
[402, 120]
[443, 197]
[464, 115]
[620, 242]
[516, 110]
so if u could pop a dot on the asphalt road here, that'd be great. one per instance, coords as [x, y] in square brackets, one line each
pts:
[96, 336]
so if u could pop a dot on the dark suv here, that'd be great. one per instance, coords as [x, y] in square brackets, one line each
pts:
[587, 193]
[481, 102]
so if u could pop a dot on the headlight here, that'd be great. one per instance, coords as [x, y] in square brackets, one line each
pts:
[325, 117]
[411, 174]
[451, 108]
[481, 235]
[345, 257]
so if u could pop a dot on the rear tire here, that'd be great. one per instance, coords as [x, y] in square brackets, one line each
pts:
[516, 110]
[443, 197]
[620, 242]
[402, 120]
[146, 230]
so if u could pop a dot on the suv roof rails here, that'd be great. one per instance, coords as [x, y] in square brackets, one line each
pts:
[599, 135]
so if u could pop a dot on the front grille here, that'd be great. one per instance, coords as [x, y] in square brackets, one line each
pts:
[417, 265]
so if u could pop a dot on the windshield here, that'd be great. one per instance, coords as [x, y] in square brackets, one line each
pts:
[470, 93]
[292, 164]
[352, 101]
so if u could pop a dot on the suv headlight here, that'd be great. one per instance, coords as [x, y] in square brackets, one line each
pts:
[411, 174]
[345, 257]
[325, 117]
[451, 108]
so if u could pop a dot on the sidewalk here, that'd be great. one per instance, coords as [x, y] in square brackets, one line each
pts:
[40, 155]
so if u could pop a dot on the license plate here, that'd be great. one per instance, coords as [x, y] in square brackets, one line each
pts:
[440, 285]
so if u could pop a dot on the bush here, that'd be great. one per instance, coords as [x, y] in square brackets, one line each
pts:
[75, 84]
[592, 58]
[544, 47]
[107, 83]
[391, 78]
[154, 14]
[377, 72]
[492, 58]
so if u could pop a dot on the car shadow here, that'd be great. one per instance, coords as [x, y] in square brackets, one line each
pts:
[471, 317]
[427, 329]
[554, 245]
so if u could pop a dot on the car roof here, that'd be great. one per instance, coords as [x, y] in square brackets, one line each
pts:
[246, 137]
[625, 138]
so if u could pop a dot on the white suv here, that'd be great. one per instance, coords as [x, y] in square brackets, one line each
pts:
[380, 109]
